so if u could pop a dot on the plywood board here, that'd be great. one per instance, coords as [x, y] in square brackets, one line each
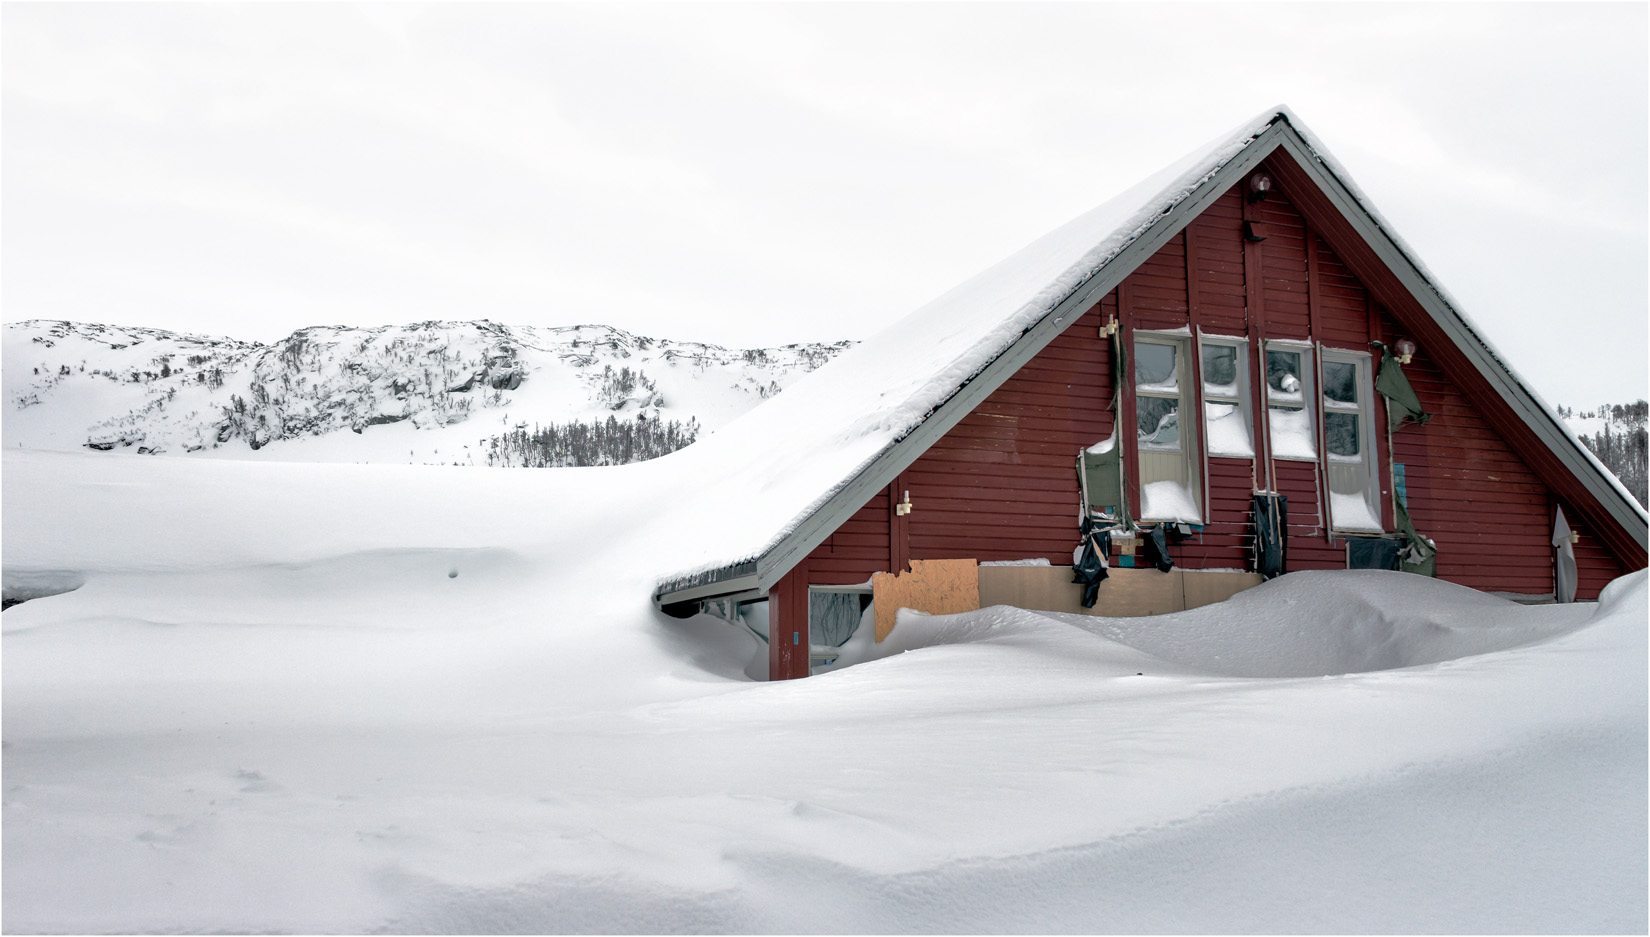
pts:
[1203, 588]
[938, 587]
[1126, 593]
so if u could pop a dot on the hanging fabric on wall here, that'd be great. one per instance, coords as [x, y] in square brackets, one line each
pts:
[1402, 403]
[1564, 563]
[1090, 569]
[1271, 522]
[1155, 549]
[1420, 555]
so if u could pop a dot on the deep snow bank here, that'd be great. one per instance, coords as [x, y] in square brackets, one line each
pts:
[1305, 624]
[1309, 624]
[271, 707]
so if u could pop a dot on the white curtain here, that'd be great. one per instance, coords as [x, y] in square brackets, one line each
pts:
[1564, 564]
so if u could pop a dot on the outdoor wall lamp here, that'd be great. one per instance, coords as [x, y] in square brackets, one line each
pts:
[1259, 184]
[1405, 349]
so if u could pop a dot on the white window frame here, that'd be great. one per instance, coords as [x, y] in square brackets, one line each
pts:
[1190, 422]
[1364, 472]
[1307, 404]
[1242, 399]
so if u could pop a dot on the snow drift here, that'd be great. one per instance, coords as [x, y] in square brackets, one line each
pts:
[363, 697]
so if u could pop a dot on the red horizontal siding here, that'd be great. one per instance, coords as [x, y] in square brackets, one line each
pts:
[1471, 492]
[1001, 484]
[1595, 566]
[856, 549]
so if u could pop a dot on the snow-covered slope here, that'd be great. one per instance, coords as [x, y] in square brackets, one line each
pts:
[1615, 435]
[352, 698]
[427, 392]
[1617, 420]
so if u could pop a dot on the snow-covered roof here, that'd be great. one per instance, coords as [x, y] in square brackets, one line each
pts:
[759, 483]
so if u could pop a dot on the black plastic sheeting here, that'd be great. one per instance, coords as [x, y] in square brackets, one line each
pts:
[1154, 549]
[1374, 552]
[1271, 517]
[1090, 569]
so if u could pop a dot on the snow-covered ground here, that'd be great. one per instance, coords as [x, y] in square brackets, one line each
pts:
[334, 697]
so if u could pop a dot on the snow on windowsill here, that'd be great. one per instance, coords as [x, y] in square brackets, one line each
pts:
[1227, 432]
[1350, 512]
[1292, 436]
[1168, 501]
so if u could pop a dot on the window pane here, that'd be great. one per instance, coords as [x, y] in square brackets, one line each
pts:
[1340, 381]
[1340, 431]
[833, 617]
[1154, 366]
[1351, 498]
[1283, 376]
[1159, 422]
[1226, 431]
[1220, 370]
[1292, 436]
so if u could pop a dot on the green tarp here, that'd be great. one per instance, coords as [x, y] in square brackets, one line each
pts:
[1401, 401]
[1419, 554]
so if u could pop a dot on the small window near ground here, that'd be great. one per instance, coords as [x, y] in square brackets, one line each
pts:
[1226, 428]
[1288, 393]
[834, 613]
[1348, 424]
[1165, 442]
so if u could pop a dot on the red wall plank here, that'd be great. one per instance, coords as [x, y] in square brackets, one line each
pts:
[1001, 484]
[1470, 491]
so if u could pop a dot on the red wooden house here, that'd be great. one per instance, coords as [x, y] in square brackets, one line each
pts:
[1228, 317]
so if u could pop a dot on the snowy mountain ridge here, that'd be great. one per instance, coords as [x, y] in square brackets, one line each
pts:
[440, 392]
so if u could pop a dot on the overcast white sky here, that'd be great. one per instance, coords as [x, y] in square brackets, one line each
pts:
[763, 174]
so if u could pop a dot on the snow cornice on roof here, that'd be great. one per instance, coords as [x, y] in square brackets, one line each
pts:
[875, 410]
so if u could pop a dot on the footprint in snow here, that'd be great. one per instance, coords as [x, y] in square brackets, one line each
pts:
[254, 782]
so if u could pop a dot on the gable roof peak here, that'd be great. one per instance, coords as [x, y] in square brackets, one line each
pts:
[777, 480]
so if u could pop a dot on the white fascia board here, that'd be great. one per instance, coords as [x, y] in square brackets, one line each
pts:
[739, 587]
